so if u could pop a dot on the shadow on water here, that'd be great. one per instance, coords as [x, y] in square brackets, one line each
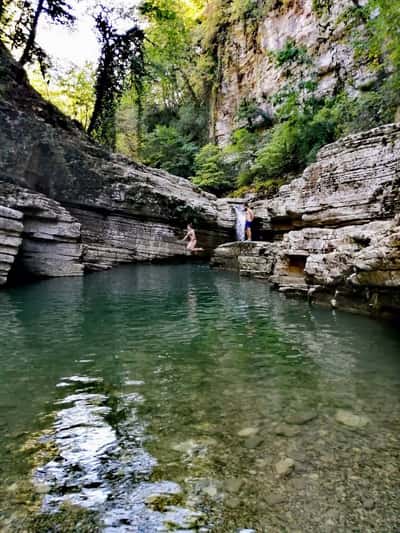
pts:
[163, 397]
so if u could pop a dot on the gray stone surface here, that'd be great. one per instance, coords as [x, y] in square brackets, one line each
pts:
[336, 229]
[249, 70]
[48, 236]
[10, 239]
[127, 212]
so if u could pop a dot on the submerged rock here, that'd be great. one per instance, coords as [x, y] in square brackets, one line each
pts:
[286, 431]
[248, 432]
[284, 467]
[300, 419]
[350, 419]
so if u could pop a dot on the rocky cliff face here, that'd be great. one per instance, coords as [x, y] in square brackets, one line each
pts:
[10, 239]
[295, 45]
[77, 206]
[335, 231]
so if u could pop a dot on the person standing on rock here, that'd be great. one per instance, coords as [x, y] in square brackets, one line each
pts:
[191, 235]
[249, 221]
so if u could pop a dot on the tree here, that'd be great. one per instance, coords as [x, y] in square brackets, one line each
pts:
[121, 65]
[166, 148]
[212, 172]
[71, 89]
[58, 11]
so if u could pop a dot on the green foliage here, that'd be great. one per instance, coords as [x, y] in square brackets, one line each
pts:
[71, 90]
[252, 114]
[212, 171]
[276, 157]
[291, 53]
[214, 23]
[245, 10]
[292, 143]
[166, 148]
[242, 150]
[322, 7]
[121, 64]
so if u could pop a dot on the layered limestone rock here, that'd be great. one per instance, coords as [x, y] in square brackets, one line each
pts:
[48, 236]
[354, 180]
[336, 230]
[318, 38]
[10, 239]
[126, 211]
[256, 259]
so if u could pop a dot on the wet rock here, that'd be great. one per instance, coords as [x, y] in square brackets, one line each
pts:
[193, 447]
[368, 504]
[299, 483]
[284, 430]
[49, 236]
[177, 518]
[276, 499]
[285, 467]
[233, 485]
[253, 442]
[160, 502]
[232, 502]
[248, 432]
[208, 487]
[350, 419]
[300, 419]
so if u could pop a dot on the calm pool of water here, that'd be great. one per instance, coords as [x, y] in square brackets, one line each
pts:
[155, 398]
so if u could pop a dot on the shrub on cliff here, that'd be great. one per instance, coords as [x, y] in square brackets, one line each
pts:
[213, 172]
[165, 147]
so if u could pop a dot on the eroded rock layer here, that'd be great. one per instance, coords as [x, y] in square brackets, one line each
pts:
[84, 207]
[335, 230]
[10, 239]
[286, 46]
[47, 236]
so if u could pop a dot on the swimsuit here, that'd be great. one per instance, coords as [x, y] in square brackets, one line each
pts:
[248, 224]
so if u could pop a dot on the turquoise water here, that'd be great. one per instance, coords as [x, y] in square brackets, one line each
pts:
[155, 398]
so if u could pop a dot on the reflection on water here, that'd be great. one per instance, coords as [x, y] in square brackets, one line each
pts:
[169, 397]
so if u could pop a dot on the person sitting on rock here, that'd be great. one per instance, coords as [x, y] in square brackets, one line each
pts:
[249, 221]
[191, 235]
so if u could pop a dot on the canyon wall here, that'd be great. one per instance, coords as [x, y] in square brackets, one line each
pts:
[68, 205]
[311, 47]
[333, 235]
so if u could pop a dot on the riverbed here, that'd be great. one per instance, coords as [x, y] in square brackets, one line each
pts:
[159, 398]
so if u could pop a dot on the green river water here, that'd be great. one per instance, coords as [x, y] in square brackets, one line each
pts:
[157, 398]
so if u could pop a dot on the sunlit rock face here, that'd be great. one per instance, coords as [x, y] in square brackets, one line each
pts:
[108, 209]
[336, 229]
[250, 71]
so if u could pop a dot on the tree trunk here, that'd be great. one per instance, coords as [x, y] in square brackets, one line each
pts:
[26, 54]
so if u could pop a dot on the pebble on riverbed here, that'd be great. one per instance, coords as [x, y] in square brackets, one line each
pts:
[284, 467]
[283, 430]
[349, 419]
[248, 432]
[302, 418]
